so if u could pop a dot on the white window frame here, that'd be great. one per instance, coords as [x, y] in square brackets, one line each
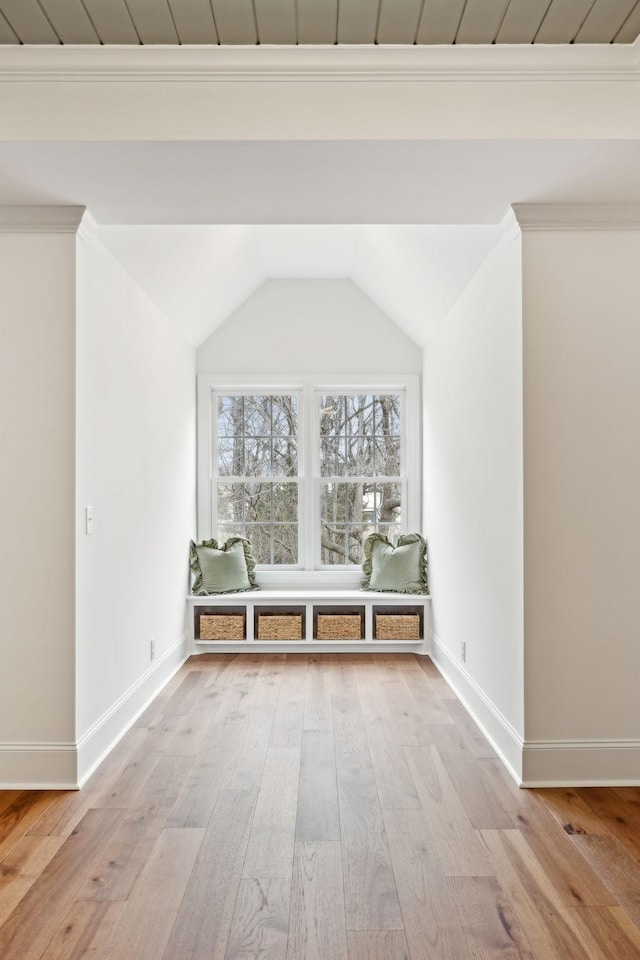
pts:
[308, 571]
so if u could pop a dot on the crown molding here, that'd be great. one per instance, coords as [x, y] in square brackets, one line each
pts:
[373, 64]
[577, 216]
[52, 219]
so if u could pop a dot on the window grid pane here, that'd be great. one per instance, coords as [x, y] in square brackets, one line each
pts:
[361, 472]
[257, 449]
[350, 511]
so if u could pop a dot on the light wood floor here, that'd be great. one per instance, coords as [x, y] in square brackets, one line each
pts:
[297, 807]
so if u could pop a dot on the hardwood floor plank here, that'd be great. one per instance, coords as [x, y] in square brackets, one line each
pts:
[317, 816]
[626, 922]
[286, 730]
[78, 931]
[145, 923]
[377, 945]
[22, 814]
[488, 920]
[248, 757]
[396, 788]
[571, 812]
[270, 851]
[473, 736]
[612, 863]
[431, 923]
[317, 706]
[188, 733]
[428, 667]
[370, 893]
[619, 813]
[631, 907]
[345, 670]
[605, 934]
[413, 716]
[479, 799]
[460, 850]
[12, 891]
[204, 919]
[130, 845]
[204, 781]
[190, 688]
[34, 921]
[442, 689]
[552, 927]
[451, 743]
[21, 867]
[261, 921]
[9, 797]
[561, 859]
[120, 792]
[317, 928]
[29, 857]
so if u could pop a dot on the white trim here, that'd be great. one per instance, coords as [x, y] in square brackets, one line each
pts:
[326, 63]
[577, 216]
[38, 766]
[100, 739]
[498, 730]
[581, 763]
[309, 646]
[40, 219]
[67, 766]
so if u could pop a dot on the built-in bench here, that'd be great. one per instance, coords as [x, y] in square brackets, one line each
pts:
[310, 619]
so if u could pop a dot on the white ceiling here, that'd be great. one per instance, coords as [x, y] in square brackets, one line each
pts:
[318, 21]
[443, 182]
[201, 225]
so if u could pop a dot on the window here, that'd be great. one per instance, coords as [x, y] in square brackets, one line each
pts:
[257, 473]
[307, 471]
[360, 469]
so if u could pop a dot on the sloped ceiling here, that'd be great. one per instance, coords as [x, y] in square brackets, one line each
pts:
[198, 276]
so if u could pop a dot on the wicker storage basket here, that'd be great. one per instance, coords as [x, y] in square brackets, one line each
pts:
[397, 626]
[222, 626]
[280, 626]
[339, 626]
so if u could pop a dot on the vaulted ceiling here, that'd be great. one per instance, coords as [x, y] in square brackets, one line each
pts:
[318, 21]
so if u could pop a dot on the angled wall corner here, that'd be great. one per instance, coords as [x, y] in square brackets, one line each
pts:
[472, 388]
[581, 301]
[37, 495]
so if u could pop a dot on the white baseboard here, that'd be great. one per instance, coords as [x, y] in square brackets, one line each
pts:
[541, 763]
[100, 739]
[38, 766]
[66, 766]
[581, 763]
[500, 733]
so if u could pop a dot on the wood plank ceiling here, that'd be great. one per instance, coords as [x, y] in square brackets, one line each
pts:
[318, 21]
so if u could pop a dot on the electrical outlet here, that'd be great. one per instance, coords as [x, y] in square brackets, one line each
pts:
[152, 649]
[463, 651]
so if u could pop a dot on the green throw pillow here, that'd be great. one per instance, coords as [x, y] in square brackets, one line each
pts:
[225, 569]
[399, 569]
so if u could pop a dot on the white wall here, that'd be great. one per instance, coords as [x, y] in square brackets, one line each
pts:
[582, 504]
[473, 495]
[136, 468]
[37, 397]
[309, 326]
